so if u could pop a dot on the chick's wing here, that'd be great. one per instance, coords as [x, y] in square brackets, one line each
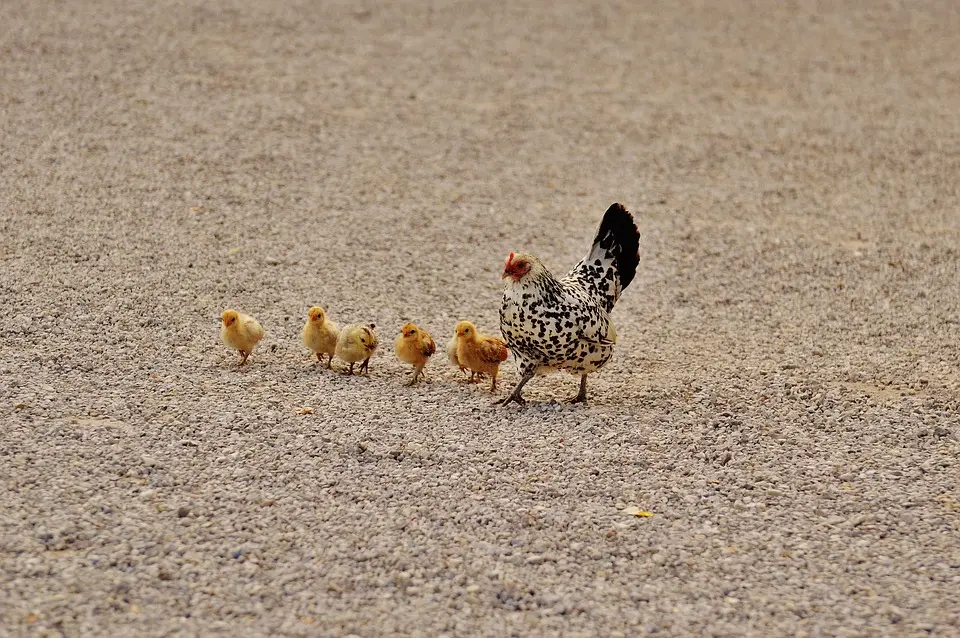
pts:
[493, 350]
[427, 346]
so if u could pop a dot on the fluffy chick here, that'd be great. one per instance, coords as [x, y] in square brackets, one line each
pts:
[320, 334]
[356, 344]
[452, 353]
[480, 353]
[455, 360]
[414, 346]
[241, 332]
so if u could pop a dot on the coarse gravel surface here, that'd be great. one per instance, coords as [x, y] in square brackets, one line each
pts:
[784, 398]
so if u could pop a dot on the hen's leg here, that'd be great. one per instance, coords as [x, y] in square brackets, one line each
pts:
[582, 395]
[526, 372]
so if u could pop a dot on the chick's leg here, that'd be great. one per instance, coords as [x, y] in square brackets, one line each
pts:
[416, 376]
[243, 357]
[330, 362]
[582, 395]
[350, 371]
[527, 373]
[365, 366]
[319, 357]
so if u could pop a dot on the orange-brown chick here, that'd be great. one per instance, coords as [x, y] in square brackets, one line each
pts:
[480, 353]
[241, 332]
[414, 346]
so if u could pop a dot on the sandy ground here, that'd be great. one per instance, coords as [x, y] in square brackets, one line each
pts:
[785, 394]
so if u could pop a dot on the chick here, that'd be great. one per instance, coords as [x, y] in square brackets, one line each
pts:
[320, 334]
[241, 332]
[452, 353]
[356, 343]
[414, 346]
[455, 360]
[480, 353]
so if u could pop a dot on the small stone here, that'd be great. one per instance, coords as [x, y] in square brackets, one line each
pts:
[725, 458]
[183, 512]
[149, 461]
[535, 559]
[272, 261]
[19, 405]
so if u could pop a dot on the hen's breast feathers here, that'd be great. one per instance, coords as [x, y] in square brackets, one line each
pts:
[551, 321]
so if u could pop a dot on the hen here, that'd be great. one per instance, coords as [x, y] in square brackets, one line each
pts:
[564, 324]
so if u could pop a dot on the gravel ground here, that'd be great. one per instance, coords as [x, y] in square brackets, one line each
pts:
[785, 394]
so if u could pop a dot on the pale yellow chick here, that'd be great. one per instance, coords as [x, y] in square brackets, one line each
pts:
[241, 332]
[414, 346]
[452, 353]
[320, 334]
[480, 353]
[356, 344]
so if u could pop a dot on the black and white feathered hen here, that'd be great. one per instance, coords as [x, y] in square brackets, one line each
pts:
[564, 324]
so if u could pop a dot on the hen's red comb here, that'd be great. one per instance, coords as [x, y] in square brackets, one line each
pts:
[510, 259]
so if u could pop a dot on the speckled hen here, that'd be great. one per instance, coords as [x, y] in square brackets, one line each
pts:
[564, 324]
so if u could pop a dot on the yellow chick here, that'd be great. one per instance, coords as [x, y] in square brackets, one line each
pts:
[414, 346]
[452, 353]
[320, 334]
[480, 353]
[241, 332]
[455, 360]
[356, 343]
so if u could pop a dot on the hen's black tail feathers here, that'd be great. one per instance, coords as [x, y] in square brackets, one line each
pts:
[619, 238]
